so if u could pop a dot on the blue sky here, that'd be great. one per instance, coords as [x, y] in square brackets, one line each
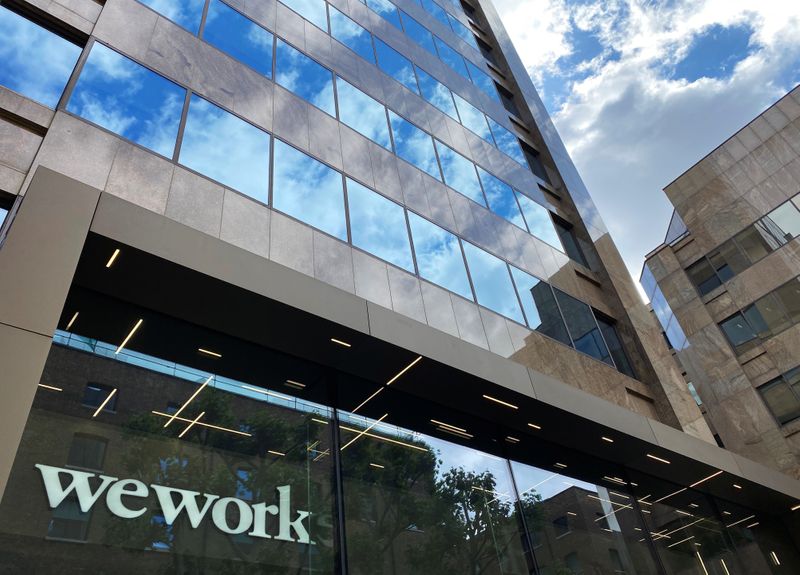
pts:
[640, 90]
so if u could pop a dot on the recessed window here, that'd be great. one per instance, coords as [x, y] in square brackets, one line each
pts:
[363, 113]
[68, 521]
[311, 10]
[507, 142]
[224, 147]
[767, 316]
[782, 396]
[378, 226]
[566, 233]
[539, 303]
[439, 256]
[240, 37]
[473, 119]
[308, 190]
[789, 295]
[739, 333]
[351, 34]
[459, 173]
[128, 99]
[614, 343]
[414, 145]
[185, 13]
[703, 276]
[36, 62]
[783, 222]
[419, 33]
[96, 393]
[492, 283]
[582, 327]
[501, 198]
[450, 57]
[540, 222]
[396, 65]
[87, 451]
[304, 77]
[561, 525]
[386, 10]
[436, 93]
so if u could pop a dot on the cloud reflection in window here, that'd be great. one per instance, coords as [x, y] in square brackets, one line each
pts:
[459, 173]
[396, 65]
[501, 198]
[492, 282]
[436, 93]
[439, 256]
[419, 33]
[473, 118]
[414, 145]
[507, 142]
[311, 10]
[300, 74]
[539, 221]
[386, 10]
[351, 34]
[483, 81]
[362, 113]
[185, 13]
[243, 39]
[452, 58]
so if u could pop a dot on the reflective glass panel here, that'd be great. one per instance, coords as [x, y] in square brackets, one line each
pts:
[463, 32]
[783, 222]
[675, 336]
[753, 243]
[220, 145]
[703, 276]
[362, 113]
[738, 332]
[300, 74]
[507, 142]
[311, 10]
[240, 37]
[582, 327]
[351, 34]
[36, 63]
[439, 256]
[781, 400]
[501, 198]
[414, 145]
[539, 221]
[734, 257]
[614, 343]
[789, 296]
[396, 65]
[387, 10]
[128, 99]
[492, 283]
[482, 80]
[450, 57]
[185, 13]
[436, 11]
[308, 190]
[570, 241]
[459, 173]
[436, 93]
[648, 281]
[661, 307]
[472, 118]
[419, 33]
[767, 316]
[378, 226]
[539, 303]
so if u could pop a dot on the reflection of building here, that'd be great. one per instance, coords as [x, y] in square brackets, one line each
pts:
[724, 285]
[359, 207]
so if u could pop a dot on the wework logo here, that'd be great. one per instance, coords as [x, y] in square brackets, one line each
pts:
[252, 518]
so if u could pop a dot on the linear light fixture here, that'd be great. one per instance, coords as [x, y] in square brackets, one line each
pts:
[105, 401]
[363, 403]
[129, 336]
[619, 494]
[774, 557]
[373, 424]
[607, 439]
[572, 513]
[725, 567]
[295, 384]
[322, 421]
[512, 439]
[192, 424]
[500, 401]
[534, 426]
[72, 321]
[113, 258]
[340, 342]
[623, 508]
[670, 495]
[751, 525]
[712, 476]
[681, 541]
[267, 392]
[741, 521]
[386, 439]
[703, 565]
[726, 512]
[377, 466]
[694, 505]
[616, 480]
[796, 507]
[737, 486]
[402, 371]
[278, 453]
[447, 425]
[50, 387]
[188, 401]
[321, 455]
[561, 465]
[209, 353]
[200, 423]
[656, 458]
[454, 432]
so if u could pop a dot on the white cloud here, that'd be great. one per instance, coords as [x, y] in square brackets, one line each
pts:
[630, 128]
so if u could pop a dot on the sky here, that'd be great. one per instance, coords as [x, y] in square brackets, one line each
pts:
[641, 90]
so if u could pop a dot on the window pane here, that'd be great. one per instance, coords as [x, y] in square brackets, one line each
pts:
[540, 306]
[738, 332]
[507, 142]
[540, 223]
[767, 316]
[721, 266]
[703, 276]
[734, 258]
[436, 93]
[459, 173]
[614, 344]
[450, 57]
[566, 233]
[414, 145]
[362, 113]
[753, 243]
[87, 451]
[582, 327]
[311, 10]
[387, 10]
[675, 336]
[308, 190]
[300, 74]
[378, 225]
[473, 119]
[351, 35]
[35, 63]
[482, 80]
[789, 296]
[436, 11]
[783, 222]
[220, 145]
[128, 99]
[419, 33]
[439, 256]
[240, 37]
[463, 32]
[492, 283]
[396, 65]
[781, 400]
[185, 13]
[501, 198]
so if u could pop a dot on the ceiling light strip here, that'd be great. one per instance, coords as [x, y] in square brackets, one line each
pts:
[681, 541]
[72, 321]
[712, 476]
[278, 453]
[130, 335]
[50, 387]
[740, 521]
[188, 427]
[188, 401]
[405, 369]
[209, 425]
[659, 459]
[386, 439]
[670, 495]
[500, 401]
[209, 352]
[340, 342]
[363, 403]
[267, 392]
[105, 401]
[447, 425]
[373, 424]
[113, 258]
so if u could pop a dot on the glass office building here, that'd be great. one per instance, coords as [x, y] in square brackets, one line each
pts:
[309, 287]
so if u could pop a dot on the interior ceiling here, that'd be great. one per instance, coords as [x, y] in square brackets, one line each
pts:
[264, 343]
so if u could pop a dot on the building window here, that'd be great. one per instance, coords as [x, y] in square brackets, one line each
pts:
[68, 521]
[451, 57]
[365, 115]
[87, 451]
[561, 525]
[535, 162]
[501, 198]
[351, 34]
[436, 93]
[419, 33]
[128, 99]
[507, 142]
[186, 14]
[414, 145]
[96, 393]
[463, 32]
[386, 10]
[539, 303]
[739, 333]
[782, 396]
[238, 36]
[614, 343]
[492, 283]
[473, 119]
[396, 65]
[566, 232]
[482, 80]
[582, 327]
[695, 395]
[459, 173]
[311, 10]
[435, 10]
[36, 62]
[439, 256]
[540, 222]
[304, 77]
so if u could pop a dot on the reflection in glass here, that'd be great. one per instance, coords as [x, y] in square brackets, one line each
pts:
[614, 343]
[351, 34]
[582, 326]
[300, 74]
[378, 226]
[36, 63]
[439, 256]
[185, 13]
[220, 145]
[386, 10]
[782, 396]
[450, 57]
[492, 283]
[396, 65]
[472, 118]
[482, 80]
[783, 223]
[436, 11]
[240, 37]
[539, 221]
[506, 142]
[540, 306]
[414, 145]
[362, 113]
[311, 10]
[308, 190]
[419, 33]
[459, 173]
[739, 333]
[128, 99]
[501, 198]
[463, 32]
[436, 93]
